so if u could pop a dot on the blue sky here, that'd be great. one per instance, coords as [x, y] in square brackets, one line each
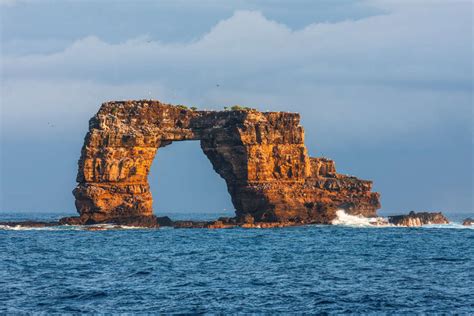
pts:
[383, 87]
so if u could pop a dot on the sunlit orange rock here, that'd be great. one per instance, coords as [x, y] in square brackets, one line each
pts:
[261, 156]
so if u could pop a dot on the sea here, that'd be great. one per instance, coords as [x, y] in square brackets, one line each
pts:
[351, 267]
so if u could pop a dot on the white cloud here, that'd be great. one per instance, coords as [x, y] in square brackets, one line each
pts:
[385, 75]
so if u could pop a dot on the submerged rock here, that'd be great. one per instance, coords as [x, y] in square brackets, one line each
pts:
[100, 228]
[418, 219]
[190, 224]
[133, 221]
[261, 155]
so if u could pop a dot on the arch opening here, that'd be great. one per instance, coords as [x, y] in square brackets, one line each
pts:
[183, 181]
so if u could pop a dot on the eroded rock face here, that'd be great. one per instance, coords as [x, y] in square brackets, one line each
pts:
[418, 219]
[261, 156]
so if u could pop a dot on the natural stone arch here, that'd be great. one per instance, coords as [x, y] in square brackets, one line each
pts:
[261, 156]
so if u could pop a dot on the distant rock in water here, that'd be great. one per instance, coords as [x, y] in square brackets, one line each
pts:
[418, 219]
[468, 222]
[261, 156]
[71, 221]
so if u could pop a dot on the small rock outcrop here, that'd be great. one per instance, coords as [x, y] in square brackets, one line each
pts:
[261, 156]
[418, 219]
[468, 222]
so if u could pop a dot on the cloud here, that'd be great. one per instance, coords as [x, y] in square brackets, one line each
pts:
[390, 74]
[350, 50]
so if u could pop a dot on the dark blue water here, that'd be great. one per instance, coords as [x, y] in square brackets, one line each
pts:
[332, 269]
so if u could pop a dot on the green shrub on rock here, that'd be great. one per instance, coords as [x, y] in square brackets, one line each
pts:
[241, 108]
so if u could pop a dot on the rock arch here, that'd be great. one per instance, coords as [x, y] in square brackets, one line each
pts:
[261, 156]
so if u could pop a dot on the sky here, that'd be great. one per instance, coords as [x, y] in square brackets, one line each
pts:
[385, 88]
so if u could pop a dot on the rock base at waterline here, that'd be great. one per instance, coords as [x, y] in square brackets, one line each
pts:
[152, 222]
[410, 220]
[468, 222]
[418, 219]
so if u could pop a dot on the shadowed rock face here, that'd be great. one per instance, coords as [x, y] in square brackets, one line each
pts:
[261, 156]
[418, 219]
[468, 222]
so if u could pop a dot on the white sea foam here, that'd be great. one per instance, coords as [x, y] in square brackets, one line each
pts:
[18, 227]
[355, 220]
[345, 219]
[98, 227]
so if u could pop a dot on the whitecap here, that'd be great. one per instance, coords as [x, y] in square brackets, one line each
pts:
[344, 219]
[19, 227]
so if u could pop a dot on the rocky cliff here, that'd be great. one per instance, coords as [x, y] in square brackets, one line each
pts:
[261, 156]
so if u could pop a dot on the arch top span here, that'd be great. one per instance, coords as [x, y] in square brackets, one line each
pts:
[260, 155]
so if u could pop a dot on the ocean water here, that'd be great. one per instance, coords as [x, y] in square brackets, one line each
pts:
[309, 269]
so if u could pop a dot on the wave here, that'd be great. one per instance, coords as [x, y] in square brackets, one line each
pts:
[344, 219]
[98, 227]
[18, 227]
[452, 225]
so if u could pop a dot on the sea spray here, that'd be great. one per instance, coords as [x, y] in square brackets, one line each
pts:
[342, 218]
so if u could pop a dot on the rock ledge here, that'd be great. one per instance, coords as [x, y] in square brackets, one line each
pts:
[418, 219]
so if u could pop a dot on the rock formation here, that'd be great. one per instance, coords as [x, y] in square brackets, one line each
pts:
[418, 219]
[468, 222]
[260, 155]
